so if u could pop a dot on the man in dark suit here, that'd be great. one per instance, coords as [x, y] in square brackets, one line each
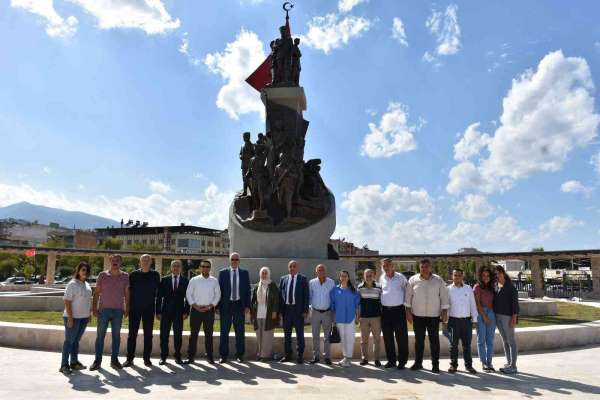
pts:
[234, 305]
[294, 308]
[171, 309]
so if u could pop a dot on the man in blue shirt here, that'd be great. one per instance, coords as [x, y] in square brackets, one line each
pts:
[294, 308]
[320, 304]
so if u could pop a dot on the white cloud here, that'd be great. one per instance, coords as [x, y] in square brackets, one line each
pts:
[546, 114]
[210, 210]
[558, 225]
[56, 25]
[398, 32]
[575, 187]
[46, 170]
[151, 16]
[471, 143]
[159, 187]
[234, 64]
[392, 135]
[444, 26]
[184, 48]
[328, 32]
[394, 198]
[348, 5]
[595, 161]
[473, 207]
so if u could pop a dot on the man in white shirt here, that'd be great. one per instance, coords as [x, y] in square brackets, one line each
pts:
[203, 294]
[319, 289]
[393, 315]
[462, 318]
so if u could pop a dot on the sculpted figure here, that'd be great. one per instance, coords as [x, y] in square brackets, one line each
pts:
[246, 154]
[286, 181]
[282, 60]
[258, 177]
[296, 68]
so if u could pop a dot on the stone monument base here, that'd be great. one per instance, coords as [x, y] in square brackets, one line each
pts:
[306, 267]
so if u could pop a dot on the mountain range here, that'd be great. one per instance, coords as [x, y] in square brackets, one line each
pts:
[45, 215]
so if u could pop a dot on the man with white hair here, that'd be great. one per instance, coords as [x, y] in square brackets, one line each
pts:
[143, 289]
[320, 304]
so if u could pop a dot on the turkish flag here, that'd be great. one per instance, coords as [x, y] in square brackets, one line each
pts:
[30, 253]
[261, 77]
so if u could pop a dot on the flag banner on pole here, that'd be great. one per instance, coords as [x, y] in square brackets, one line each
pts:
[30, 253]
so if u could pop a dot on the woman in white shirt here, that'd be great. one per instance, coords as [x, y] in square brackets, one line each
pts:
[78, 305]
[265, 310]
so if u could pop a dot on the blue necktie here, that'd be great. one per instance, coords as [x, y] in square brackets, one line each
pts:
[234, 295]
[291, 291]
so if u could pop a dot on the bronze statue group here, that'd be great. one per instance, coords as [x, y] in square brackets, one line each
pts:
[386, 305]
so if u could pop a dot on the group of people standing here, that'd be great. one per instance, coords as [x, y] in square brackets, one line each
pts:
[384, 306]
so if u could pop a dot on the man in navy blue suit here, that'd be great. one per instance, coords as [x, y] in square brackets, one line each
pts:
[294, 308]
[235, 303]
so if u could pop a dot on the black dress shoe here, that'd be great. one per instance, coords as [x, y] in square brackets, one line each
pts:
[95, 365]
[300, 360]
[389, 364]
[416, 367]
[147, 362]
[222, 360]
[162, 361]
[378, 363]
[179, 361]
[116, 364]
[287, 358]
[240, 359]
[364, 361]
[127, 363]
[65, 369]
[77, 366]
[435, 369]
[471, 370]
[314, 361]
[190, 360]
[210, 360]
[327, 361]
[452, 369]
[400, 366]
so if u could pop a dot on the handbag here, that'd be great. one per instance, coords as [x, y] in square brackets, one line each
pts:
[334, 334]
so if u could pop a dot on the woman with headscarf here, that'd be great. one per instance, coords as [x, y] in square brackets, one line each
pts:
[265, 313]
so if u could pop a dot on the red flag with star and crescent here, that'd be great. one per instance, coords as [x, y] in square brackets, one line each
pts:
[30, 253]
[261, 77]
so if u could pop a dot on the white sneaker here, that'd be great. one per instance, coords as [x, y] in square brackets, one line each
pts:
[347, 363]
[342, 362]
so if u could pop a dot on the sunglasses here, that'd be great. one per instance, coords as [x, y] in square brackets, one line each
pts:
[84, 270]
[235, 259]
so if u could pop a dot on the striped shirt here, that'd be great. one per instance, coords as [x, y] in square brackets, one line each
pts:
[370, 300]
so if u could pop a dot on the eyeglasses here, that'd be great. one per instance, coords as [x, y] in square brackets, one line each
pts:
[235, 259]
[205, 266]
[84, 270]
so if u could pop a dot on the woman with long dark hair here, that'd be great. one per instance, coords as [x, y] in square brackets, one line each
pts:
[486, 320]
[344, 304]
[78, 305]
[506, 308]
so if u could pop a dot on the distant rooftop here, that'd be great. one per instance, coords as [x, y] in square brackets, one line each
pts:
[149, 230]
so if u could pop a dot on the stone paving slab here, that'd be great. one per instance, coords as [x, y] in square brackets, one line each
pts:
[27, 374]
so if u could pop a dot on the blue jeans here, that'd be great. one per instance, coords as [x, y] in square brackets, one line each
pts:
[485, 336]
[115, 317]
[72, 337]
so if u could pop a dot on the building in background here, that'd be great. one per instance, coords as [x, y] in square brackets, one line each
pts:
[344, 248]
[185, 239]
[26, 233]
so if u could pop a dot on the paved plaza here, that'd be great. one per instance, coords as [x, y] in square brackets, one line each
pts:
[33, 375]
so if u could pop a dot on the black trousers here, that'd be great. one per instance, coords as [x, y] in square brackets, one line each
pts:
[395, 332]
[206, 320]
[147, 318]
[293, 318]
[168, 320]
[432, 326]
[460, 329]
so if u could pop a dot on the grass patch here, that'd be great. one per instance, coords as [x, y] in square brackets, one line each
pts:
[568, 313]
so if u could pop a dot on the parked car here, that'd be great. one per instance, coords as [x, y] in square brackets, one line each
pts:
[14, 280]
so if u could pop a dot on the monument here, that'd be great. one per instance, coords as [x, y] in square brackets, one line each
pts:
[284, 209]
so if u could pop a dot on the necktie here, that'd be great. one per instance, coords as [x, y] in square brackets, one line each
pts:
[234, 286]
[176, 284]
[291, 291]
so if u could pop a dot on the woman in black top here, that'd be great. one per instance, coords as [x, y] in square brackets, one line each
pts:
[506, 308]
[370, 316]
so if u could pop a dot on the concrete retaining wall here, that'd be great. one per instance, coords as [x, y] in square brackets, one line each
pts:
[50, 337]
[32, 303]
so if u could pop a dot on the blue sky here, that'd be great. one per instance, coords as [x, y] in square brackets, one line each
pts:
[440, 125]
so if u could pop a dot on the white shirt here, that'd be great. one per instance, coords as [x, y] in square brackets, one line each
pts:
[392, 289]
[261, 311]
[80, 295]
[203, 291]
[235, 271]
[462, 302]
[287, 293]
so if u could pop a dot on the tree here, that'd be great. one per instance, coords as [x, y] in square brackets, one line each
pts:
[8, 267]
[111, 244]
[537, 249]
